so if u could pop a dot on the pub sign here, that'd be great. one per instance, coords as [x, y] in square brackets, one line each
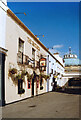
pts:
[43, 64]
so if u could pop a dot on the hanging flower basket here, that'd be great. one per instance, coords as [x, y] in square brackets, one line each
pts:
[18, 77]
[24, 73]
[44, 76]
[29, 76]
[13, 71]
[21, 91]
[41, 87]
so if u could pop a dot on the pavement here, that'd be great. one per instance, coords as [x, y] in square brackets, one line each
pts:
[49, 105]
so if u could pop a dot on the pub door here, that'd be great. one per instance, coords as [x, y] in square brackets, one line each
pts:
[2, 79]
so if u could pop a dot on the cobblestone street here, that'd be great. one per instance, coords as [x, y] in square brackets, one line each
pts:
[49, 105]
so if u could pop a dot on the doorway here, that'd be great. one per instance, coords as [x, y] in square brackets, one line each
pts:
[2, 79]
[33, 87]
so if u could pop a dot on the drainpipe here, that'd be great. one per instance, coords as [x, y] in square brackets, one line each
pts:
[48, 73]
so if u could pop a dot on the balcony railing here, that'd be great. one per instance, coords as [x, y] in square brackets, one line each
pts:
[25, 60]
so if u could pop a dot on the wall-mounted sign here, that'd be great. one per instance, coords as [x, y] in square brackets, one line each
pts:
[33, 43]
[43, 64]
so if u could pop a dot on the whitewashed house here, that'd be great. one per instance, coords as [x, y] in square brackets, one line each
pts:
[55, 67]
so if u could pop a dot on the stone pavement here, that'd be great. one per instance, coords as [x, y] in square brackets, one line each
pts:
[49, 105]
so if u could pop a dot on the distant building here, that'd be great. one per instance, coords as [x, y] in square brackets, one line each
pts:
[61, 80]
[56, 68]
[72, 66]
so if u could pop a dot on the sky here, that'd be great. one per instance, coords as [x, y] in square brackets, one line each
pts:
[57, 21]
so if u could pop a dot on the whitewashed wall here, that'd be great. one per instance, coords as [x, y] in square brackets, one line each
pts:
[62, 82]
[51, 65]
[2, 24]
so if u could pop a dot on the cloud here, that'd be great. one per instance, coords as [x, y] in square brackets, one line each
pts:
[54, 51]
[57, 46]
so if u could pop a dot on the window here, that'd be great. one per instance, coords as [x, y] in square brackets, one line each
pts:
[33, 57]
[51, 71]
[21, 46]
[20, 51]
[41, 81]
[29, 84]
[20, 87]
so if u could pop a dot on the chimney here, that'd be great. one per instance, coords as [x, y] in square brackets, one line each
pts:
[56, 53]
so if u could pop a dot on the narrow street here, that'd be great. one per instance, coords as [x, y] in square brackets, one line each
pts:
[49, 105]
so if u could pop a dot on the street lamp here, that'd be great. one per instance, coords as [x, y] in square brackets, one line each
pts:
[20, 13]
[39, 35]
[50, 48]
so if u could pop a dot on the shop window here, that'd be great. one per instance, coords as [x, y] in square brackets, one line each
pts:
[20, 87]
[29, 84]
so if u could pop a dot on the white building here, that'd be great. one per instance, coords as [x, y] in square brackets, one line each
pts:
[55, 68]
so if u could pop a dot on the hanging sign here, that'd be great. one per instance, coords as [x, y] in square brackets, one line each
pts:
[43, 64]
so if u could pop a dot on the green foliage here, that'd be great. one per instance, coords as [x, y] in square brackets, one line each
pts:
[29, 76]
[24, 73]
[15, 76]
[21, 91]
[18, 77]
[44, 76]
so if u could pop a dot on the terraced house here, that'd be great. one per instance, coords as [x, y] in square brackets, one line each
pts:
[23, 60]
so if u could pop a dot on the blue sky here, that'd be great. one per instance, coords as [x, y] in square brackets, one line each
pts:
[57, 21]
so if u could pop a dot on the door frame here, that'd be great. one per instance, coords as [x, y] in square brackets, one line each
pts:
[2, 62]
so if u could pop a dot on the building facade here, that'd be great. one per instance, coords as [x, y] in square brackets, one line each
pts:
[55, 69]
